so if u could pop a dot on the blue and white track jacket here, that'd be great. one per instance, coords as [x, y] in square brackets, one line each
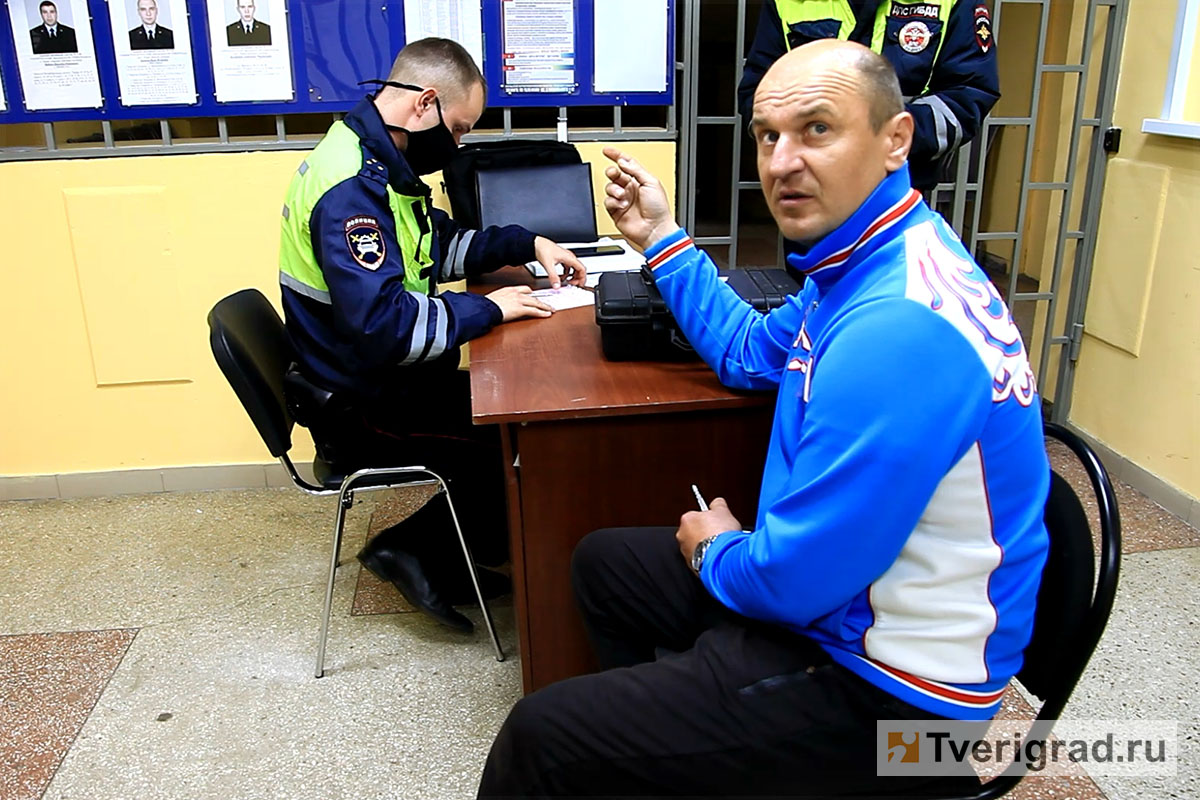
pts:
[900, 517]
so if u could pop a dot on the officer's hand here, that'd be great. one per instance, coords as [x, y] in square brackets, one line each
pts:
[516, 302]
[696, 526]
[636, 201]
[551, 256]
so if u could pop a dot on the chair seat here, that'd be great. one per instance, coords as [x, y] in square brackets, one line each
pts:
[331, 477]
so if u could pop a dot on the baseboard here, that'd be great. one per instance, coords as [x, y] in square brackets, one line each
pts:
[261, 476]
[148, 481]
[1170, 497]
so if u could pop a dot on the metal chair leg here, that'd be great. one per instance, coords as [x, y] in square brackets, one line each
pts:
[345, 498]
[483, 606]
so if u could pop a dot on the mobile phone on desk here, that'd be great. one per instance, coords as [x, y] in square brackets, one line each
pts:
[598, 250]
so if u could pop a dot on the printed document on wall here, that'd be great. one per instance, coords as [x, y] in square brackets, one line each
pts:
[55, 54]
[631, 46]
[153, 45]
[459, 20]
[538, 46]
[251, 55]
[3, 101]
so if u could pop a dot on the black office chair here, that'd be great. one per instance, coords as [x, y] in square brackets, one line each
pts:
[253, 351]
[1073, 603]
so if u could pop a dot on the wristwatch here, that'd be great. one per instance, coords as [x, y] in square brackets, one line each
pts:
[698, 553]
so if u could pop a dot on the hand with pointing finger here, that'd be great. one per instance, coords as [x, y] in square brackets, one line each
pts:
[636, 201]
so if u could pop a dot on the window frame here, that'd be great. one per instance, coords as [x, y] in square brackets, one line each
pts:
[1172, 122]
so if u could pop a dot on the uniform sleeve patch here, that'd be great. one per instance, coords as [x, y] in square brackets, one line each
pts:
[366, 242]
[983, 27]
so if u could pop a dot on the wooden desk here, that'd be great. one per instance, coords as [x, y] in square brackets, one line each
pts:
[601, 444]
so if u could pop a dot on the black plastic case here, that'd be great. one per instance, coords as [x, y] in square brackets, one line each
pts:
[636, 325]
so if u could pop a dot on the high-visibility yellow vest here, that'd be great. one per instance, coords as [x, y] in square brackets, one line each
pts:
[339, 157]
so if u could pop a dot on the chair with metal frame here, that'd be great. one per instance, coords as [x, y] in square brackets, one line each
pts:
[1073, 602]
[253, 351]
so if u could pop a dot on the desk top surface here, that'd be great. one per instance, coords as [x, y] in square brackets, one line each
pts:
[545, 369]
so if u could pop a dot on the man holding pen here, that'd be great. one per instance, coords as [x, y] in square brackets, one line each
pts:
[892, 570]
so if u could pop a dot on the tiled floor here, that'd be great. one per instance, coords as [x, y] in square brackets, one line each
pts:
[162, 646]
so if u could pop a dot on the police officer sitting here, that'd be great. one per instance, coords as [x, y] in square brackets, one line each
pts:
[361, 254]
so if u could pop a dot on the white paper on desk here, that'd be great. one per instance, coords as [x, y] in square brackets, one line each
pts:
[566, 297]
[630, 259]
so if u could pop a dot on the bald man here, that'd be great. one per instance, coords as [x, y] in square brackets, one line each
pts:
[888, 575]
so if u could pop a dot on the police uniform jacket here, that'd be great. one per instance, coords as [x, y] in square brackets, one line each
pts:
[260, 33]
[164, 39]
[942, 51]
[361, 252]
[63, 40]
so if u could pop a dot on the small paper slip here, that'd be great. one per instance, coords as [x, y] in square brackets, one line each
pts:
[566, 297]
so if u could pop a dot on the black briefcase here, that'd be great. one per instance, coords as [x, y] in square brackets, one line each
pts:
[636, 325]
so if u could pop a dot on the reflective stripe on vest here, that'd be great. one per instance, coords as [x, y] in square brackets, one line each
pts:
[339, 157]
[792, 12]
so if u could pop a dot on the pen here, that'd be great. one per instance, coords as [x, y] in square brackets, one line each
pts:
[699, 500]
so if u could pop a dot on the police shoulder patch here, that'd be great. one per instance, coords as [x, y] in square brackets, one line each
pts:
[366, 242]
[983, 27]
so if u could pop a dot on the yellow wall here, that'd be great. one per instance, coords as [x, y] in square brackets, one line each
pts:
[1137, 384]
[111, 266]
[1191, 102]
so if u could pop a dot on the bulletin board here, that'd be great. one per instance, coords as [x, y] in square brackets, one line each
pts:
[307, 56]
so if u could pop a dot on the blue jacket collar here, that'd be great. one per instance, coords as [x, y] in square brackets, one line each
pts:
[837, 252]
[366, 122]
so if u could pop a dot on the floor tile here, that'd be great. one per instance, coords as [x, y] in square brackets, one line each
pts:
[371, 595]
[49, 683]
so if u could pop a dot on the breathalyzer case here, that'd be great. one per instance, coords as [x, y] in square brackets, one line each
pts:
[636, 325]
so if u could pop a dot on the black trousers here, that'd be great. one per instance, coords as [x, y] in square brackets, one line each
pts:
[739, 708]
[431, 426]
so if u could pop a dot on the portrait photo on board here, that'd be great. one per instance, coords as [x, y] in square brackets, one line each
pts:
[249, 25]
[152, 27]
[54, 32]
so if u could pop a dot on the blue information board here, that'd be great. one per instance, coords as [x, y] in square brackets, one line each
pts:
[334, 45]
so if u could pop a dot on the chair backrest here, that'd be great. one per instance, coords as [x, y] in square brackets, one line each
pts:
[1074, 600]
[252, 349]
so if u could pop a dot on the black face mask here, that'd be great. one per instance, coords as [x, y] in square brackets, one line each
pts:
[428, 150]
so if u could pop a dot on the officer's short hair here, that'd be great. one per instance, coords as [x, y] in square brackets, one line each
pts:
[47, 3]
[880, 86]
[441, 64]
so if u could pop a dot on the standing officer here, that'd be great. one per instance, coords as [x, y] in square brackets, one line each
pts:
[942, 51]
[377, 381]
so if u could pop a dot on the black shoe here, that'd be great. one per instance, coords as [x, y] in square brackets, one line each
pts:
[404, 571]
